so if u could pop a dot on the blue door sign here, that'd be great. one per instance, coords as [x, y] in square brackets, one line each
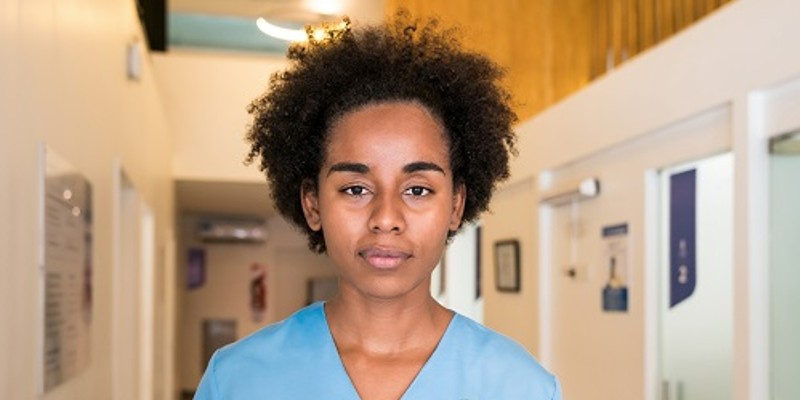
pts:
[682, 236]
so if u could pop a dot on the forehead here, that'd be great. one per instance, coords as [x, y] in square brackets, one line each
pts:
[385, 130]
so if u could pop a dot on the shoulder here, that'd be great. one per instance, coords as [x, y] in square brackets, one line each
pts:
[281, 357]
[509, 368]
[293, 336]
[492, 346]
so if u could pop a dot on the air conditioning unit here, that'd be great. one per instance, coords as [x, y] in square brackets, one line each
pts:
[232, 230]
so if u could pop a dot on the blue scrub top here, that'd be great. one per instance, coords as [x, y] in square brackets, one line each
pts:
[297, 359]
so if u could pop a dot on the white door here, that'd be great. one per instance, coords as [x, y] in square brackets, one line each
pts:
[134, 293]
[784, 270]
[696, 280]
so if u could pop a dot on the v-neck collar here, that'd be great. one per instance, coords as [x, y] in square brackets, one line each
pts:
[429, 363]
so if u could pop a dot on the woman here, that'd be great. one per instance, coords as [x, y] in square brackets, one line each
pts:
[380, 143]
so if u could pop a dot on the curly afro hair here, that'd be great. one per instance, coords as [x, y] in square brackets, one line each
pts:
[349, 68]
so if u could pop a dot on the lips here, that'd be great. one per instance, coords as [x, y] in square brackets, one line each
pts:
[384, 258]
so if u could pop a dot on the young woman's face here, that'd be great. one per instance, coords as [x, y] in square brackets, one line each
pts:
[385, 199]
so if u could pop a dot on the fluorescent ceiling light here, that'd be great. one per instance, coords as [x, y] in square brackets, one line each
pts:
[291, 35]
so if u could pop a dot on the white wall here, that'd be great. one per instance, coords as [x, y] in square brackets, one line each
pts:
[513, 215]
[714, 64]
[206, 97]
[62, 81]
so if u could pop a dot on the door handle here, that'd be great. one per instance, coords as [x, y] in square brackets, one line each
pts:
[666, 387]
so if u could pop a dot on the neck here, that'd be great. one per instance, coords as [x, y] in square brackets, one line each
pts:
[385, 326]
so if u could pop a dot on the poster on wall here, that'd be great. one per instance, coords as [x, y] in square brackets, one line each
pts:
[196, 268]
[66, 270]
[615, 291]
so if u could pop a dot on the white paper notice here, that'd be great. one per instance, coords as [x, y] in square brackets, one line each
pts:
[67, 271]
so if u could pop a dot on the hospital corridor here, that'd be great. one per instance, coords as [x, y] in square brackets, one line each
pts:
[645, 246]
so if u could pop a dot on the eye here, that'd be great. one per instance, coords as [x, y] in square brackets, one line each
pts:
[418, 191]
[355, 190]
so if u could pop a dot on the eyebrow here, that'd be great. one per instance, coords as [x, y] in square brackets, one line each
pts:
[360, 168]
[422, 166]
[349, 167]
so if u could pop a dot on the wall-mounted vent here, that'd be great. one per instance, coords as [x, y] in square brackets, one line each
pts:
[228, 230]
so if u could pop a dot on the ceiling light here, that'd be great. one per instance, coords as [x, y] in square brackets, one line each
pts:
[291, 35]
[319, 34]
[286, 16]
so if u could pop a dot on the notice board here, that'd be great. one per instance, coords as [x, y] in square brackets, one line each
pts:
[66, 270]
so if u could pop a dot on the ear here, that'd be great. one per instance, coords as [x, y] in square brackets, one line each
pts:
[309, 199]
[459, 198]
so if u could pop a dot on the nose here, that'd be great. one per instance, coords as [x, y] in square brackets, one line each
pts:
[387, 215]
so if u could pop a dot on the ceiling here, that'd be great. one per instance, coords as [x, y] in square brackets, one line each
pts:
[224, 199]
[363, 11]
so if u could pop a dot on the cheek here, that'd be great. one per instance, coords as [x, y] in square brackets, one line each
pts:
[432, 226]
[339, 224]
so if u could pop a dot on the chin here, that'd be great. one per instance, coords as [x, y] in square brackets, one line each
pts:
[385, 289]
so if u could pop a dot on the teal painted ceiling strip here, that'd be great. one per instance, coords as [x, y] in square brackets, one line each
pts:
[220, 33]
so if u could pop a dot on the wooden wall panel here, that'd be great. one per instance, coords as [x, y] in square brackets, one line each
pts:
[552, 48]
[646, 25]
[571, 47]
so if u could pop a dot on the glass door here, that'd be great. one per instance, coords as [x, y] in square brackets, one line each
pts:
[785, 267]
[696, 280]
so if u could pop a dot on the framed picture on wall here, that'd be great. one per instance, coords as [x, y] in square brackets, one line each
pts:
[506, 265]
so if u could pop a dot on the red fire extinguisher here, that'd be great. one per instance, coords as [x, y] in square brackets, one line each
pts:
[258, 291]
